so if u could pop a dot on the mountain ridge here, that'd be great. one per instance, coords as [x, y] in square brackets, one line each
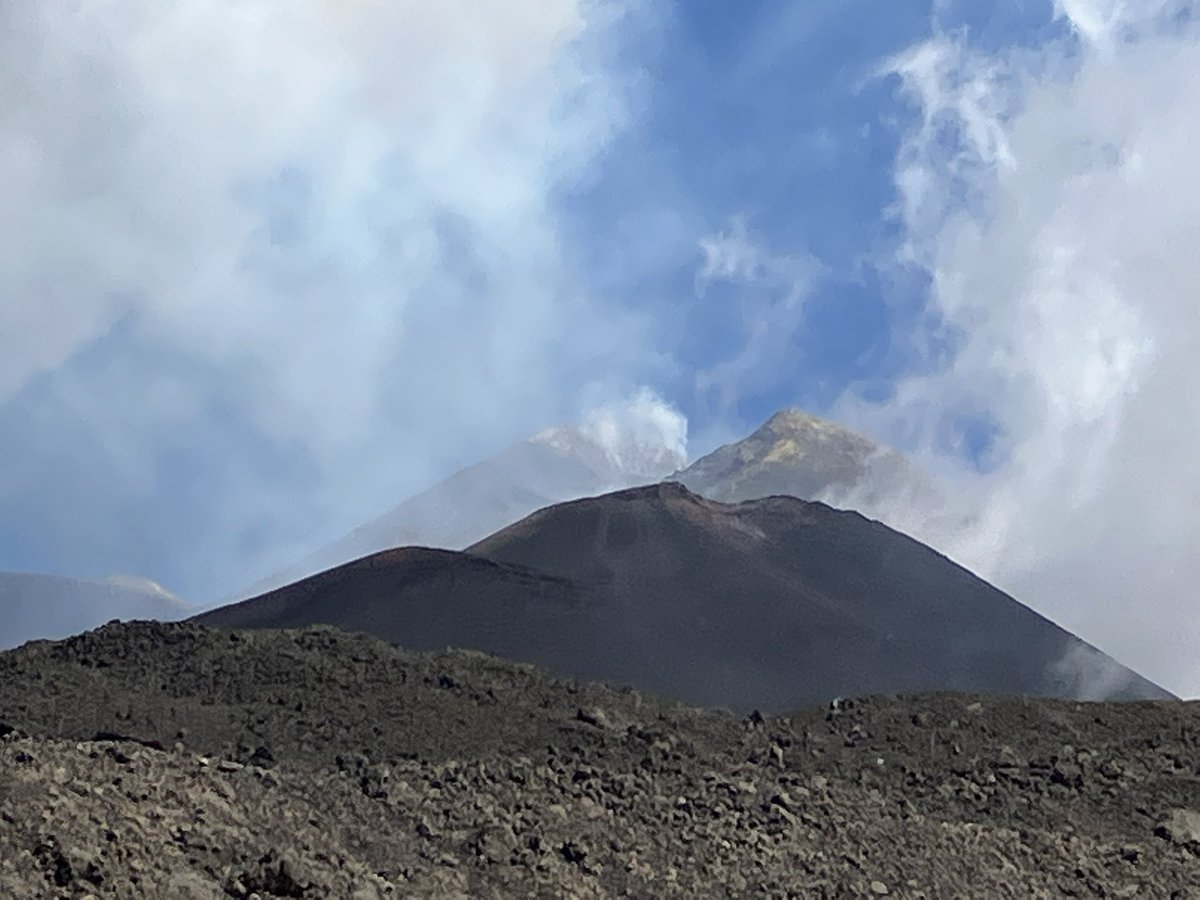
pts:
[555, 464]
[764, 604]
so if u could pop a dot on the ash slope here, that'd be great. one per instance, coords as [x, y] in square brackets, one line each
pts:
[431, 599]
[40, 607]
[319, 763]
[802, 601]
[558, 464]
[767, 605]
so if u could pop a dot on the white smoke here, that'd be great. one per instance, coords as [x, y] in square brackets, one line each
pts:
[641, 436]
[332, 223]
[1051, 197]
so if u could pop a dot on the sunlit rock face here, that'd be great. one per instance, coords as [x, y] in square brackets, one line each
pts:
[800, 455]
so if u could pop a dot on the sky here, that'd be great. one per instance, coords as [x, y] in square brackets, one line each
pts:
[269, 268]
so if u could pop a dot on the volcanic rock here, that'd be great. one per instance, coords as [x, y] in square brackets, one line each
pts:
[457, 774]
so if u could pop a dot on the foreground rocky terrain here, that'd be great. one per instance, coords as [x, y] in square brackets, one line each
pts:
[173, 760]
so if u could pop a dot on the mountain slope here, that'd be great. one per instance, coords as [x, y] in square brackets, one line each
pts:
[34, 606]
[781, 592]
[557, 464]
[799, 455]
[768, 604]
[428, 599]
[793, 453]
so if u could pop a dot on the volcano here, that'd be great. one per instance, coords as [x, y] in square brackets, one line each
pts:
[561, 463]
[767, 604]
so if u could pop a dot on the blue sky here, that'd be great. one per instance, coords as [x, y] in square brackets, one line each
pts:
[268, 275]
[769, 114]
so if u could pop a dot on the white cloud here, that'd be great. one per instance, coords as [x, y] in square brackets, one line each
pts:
[345, 209]
[1104, 24]
[769, 290]
[1051, 196]
[731, 255]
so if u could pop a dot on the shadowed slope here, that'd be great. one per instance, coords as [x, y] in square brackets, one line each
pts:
[769, 604]
[430, 599]
[779, 600]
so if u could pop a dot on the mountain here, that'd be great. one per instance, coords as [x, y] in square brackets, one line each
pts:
[767, 604]
[152, 760]
[797, 454]
[557, 464]
[36, 607]
[793, 453]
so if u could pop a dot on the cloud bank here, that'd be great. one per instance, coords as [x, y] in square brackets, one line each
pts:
[271, 266]
[1051, 197]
